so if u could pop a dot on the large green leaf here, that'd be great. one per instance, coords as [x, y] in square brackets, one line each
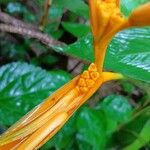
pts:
[22, 86]
[81, 49]
[128, 53]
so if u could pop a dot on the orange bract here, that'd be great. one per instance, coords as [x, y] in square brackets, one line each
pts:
[106, 20]
[105, 15]
[140, 16]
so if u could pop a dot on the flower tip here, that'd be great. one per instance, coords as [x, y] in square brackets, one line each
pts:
[92, 67]
[107, 76]
[140, 16]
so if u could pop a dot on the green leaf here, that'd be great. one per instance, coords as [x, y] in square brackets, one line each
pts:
[52, 26]
[77, 6]
[130, 131]
[91, 128]
[23, 86]
[76, 29]
[128, 53]
[143, 138]
[116, 108]
[52, 29]
[81, 49]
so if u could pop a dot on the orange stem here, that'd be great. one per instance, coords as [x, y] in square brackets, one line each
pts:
[101, 45]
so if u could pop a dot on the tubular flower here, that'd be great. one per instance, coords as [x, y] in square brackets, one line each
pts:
[107, 20]
[44, 121]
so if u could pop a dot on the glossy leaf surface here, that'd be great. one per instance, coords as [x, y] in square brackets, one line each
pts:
[23, 86]
[130, 49]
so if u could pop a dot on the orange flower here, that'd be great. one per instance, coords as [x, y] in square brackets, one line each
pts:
[140, 16]
[106, 20]
[39, 125]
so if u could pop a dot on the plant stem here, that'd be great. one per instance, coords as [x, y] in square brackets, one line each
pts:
[44, 18]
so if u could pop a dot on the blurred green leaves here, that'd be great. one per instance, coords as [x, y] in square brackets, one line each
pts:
[143, 138]
[135, 133]
[117, 108]
[91, 128]
[23, 86]
[77, 6]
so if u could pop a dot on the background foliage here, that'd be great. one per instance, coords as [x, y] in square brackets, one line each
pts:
[116, 117]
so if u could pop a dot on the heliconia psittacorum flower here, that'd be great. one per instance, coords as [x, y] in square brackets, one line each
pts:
[45, 120]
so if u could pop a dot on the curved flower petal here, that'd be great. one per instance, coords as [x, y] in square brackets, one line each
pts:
[37, 117]
[107, 76]
[140, 16]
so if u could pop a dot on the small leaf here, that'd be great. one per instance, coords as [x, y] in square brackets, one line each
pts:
[81, 49]
[23, 86]
[77, 6]
[76, 29]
